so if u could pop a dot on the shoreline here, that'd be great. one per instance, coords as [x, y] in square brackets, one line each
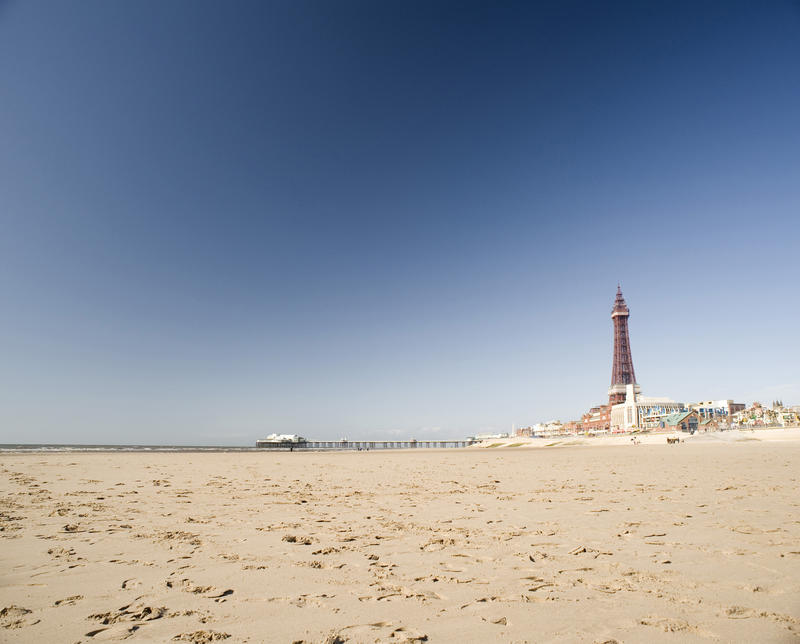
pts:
[513, 442]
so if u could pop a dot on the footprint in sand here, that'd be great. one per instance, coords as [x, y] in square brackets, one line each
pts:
[130, 613]
[300, 540]
[374, 632]
[500, 621]
[740, 612]
[113, 633]
[62, 553]
[12, 617]
[434, 545]
[667, 624]
[68, 601]
[188, 586]
[201, 637]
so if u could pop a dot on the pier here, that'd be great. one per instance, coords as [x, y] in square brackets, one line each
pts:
[361, 445]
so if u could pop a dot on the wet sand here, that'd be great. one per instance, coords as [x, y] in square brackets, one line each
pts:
[645, 543]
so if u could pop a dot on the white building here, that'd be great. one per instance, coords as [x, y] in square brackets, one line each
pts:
[283, 438]
[723, 409]
[548, 430]
[641, 412]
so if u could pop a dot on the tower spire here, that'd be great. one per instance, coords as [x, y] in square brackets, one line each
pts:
[622, 373]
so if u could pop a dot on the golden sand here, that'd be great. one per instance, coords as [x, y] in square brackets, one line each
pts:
[645, 543]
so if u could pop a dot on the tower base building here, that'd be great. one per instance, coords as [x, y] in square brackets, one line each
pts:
[641, 412]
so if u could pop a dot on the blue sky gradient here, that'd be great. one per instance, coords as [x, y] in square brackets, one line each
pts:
[221, 220]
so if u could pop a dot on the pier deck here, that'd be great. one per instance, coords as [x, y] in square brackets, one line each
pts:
[362, 445]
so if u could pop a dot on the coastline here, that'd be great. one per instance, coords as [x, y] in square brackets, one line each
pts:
[789, 434]
[651, 438]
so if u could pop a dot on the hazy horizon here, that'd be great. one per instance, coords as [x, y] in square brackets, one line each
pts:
[223, 220]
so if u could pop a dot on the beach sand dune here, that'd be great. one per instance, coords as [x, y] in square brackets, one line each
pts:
[646, 543]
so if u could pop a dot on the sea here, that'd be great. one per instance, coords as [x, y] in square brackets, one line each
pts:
[37, 447]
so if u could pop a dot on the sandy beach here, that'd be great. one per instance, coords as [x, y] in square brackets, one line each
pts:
[593, 542]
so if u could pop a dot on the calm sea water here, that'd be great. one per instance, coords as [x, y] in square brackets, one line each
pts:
[33, 447]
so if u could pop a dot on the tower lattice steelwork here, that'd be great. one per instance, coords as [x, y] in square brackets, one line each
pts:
[622, 372]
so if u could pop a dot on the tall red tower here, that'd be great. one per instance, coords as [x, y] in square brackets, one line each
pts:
[622, 373]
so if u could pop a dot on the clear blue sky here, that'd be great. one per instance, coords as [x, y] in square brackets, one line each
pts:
[224, 219]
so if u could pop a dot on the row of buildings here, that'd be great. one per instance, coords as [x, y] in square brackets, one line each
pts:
[759, 416]
[651, 413]
[627, 410]
[656, 415]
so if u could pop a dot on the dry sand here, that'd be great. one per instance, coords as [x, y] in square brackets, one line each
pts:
[646, 543]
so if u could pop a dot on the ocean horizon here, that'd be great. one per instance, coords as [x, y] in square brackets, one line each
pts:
[78, 447]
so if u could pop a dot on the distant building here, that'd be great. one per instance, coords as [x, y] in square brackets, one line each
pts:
[709, 425]
[548, 430]
[283, 438]
[641, 412]
[685, 421]
[758, 416]
[597, 420]
[789, 418]
[717, 408]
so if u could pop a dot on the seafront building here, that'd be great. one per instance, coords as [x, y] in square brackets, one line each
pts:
[642, 412]
[682, 421]
[547, 430]
[489, 436]
[724, 409]
[759, 416]
[597, 420]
